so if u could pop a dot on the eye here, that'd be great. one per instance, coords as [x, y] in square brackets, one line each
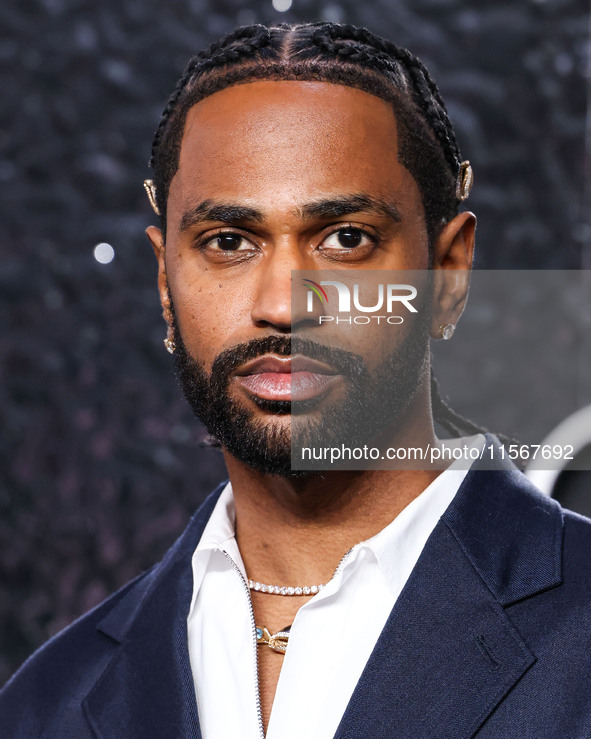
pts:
[227, 242]
[347, 238]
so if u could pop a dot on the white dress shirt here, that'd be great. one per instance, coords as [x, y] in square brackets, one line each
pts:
[332, 635]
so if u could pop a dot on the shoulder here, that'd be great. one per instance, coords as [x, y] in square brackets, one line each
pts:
[521, 541]
[577, 548]
[572, 530]
[44, 697]
[544, 527]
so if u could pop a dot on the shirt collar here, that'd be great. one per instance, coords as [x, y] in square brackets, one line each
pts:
[220, 529]
[396, 548]
[218, 535]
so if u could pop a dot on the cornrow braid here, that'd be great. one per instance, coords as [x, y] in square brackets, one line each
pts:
[443, 414]
[458, 425]
[240, 43]
[383, 52]
[256, 36]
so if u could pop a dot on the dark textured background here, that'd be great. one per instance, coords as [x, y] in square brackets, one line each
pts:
[100, 466]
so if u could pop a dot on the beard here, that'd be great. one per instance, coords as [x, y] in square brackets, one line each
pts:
[374, 403]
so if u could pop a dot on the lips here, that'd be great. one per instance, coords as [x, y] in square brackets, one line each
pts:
[286, 378]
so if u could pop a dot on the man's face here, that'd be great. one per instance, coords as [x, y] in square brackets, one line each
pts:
[274, 177]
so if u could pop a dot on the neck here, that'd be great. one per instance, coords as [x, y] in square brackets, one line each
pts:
[294, 531]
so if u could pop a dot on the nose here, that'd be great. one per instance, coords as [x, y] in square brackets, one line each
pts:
[272, 306]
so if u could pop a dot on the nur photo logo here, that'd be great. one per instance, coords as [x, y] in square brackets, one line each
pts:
[388, 296]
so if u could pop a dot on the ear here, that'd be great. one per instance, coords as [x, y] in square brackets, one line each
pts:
[156, 238]
[452, 261]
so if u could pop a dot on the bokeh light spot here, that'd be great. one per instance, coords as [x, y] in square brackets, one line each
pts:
[281, 5]
[104, 253]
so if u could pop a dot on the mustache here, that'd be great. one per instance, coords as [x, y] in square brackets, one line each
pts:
[345, 363]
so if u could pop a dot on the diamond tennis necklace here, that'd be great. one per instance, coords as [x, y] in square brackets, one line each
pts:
[283, 590]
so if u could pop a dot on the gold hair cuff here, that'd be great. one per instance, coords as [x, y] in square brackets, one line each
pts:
[150, 189]
[465, 181]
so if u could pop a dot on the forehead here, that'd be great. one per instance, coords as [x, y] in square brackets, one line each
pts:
[287, 135]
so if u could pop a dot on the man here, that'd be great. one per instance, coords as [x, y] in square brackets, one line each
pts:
[379, 603]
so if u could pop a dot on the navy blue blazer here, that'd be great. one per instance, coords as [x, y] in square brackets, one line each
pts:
[490, 637]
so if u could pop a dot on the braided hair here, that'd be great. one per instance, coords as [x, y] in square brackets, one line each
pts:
[326, 52]
[340, 54]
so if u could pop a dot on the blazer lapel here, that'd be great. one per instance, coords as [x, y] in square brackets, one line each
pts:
[449, 654]
[147, 689]
[445, 659]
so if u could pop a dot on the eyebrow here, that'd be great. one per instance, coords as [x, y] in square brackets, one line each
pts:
[347, 204]
[231, 213]
[224, 212]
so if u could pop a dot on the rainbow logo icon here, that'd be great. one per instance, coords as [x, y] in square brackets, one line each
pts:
[316, 288]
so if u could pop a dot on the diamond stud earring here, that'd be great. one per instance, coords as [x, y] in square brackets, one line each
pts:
[447, 331]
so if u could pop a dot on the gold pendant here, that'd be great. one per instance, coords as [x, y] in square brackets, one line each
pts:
[277, 642]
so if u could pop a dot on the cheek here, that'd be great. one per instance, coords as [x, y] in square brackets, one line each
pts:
[374, 342]
[210, 313]
[384, 315]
